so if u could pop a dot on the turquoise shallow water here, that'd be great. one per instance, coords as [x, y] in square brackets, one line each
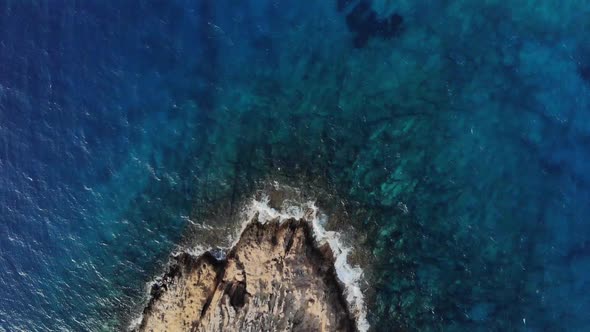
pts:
[455, 132]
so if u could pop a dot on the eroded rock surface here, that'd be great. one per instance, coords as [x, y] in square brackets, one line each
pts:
[275, 278]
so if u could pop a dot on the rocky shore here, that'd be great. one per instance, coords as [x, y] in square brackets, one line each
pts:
[275, 278]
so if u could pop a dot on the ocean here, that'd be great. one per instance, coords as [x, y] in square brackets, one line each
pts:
[454, 136]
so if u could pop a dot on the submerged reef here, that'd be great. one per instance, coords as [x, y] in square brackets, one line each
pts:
[363, 21]
[275, 278]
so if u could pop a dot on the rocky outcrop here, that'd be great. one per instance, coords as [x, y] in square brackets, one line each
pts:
[276, 278]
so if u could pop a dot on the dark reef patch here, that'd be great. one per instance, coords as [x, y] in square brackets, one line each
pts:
[362, 20]
[584, 72]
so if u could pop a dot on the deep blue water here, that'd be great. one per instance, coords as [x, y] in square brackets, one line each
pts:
[118, 121]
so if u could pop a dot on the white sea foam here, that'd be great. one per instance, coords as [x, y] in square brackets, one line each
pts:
[135, 323]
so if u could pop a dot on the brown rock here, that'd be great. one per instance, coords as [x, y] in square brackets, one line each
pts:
[275, 278]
